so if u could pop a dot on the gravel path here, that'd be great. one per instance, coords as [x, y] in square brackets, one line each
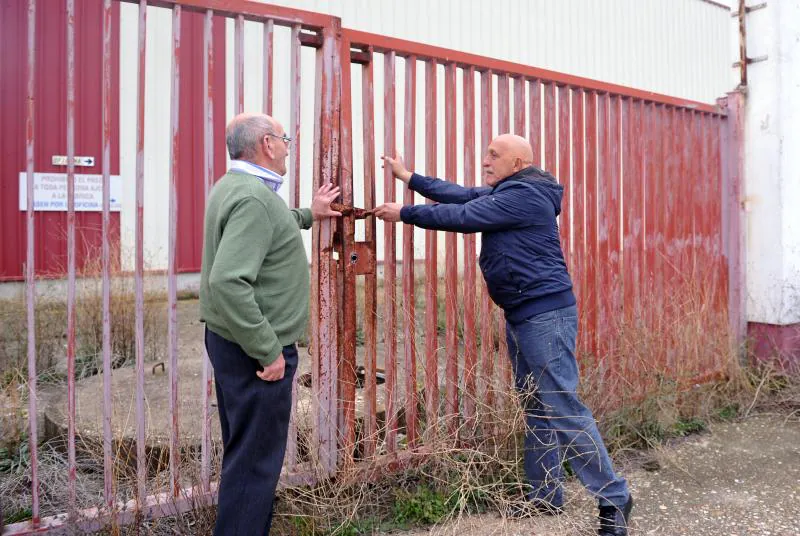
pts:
[739, 479]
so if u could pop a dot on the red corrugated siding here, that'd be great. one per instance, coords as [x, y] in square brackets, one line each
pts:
[50, 130]
[190, 178]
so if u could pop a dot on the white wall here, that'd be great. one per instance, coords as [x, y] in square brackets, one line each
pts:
[157, 133]
[675, 47]
[772, 164]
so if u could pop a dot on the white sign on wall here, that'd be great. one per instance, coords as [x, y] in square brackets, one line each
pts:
[50, 192]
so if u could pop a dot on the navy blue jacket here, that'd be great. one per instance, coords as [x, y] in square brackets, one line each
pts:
[521, 257]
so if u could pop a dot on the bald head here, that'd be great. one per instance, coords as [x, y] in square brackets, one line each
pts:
[505, 156]
[517, 147]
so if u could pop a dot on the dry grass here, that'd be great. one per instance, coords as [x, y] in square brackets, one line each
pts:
[644, 390]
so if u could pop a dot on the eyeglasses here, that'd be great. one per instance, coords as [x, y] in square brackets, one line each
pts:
[286, 139]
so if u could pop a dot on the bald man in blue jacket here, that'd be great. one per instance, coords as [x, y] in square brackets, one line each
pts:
[523, 265]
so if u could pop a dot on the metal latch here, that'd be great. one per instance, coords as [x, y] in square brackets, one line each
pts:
[357, 213]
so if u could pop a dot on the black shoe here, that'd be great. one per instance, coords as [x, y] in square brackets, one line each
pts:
[614, 520]
[532, 508]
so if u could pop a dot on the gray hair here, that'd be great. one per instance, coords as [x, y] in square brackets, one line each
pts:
[244, 134]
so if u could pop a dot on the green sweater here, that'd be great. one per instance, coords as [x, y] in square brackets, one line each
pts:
[254, 281]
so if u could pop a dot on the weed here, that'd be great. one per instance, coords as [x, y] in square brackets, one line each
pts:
[689, 426]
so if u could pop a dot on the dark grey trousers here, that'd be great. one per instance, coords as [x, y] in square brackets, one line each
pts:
[254, 416]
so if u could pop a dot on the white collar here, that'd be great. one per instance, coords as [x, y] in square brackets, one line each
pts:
[268, 177]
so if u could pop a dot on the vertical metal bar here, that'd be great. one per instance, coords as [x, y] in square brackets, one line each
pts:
[332, 39]
[700, 268]
[371, 279]
[633, 203]
[30, 273]
[731, 157]
[71, 254]
[172, 280]
[628, 273]
[294, 118]
[295, 90]
[699, 186]
[716, 218]
[706, 210]
[487, 332]
[470, 341]
[503, 105]
[389, 253]
[208, 181]
[324, 313]
[451, 255]
[614, 207]
[139, 268]
[550, 128]
[669, 226]
[579, 261]
[347, 362]
[519, 106]
[269, 28]
[609, 231]
[603, 185]
[592, 295]
[661, 196]
[108, 468]
[431, 276]
[676, 244]
[627, 183]
[652, 132]
[535, 121]
[238, 64]
[686, 186]
[642, 124]
[564, 172]
[410, 332]
[503, 127]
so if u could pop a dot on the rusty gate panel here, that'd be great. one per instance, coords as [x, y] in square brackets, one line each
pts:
[593, 137]
[187, 16]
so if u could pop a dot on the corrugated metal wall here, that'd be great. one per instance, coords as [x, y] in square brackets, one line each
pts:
[50, 101]
[676, 47]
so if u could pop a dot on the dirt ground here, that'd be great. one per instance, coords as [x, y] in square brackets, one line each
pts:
[737, 479]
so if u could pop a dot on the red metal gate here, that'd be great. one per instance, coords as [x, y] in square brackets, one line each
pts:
[648, 225]
[650, 209]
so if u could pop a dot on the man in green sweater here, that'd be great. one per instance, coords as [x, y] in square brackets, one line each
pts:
[254, 295]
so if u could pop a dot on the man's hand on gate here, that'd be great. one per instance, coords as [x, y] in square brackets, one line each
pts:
[274, 371]
[321, 204]
[398, 168]
[389, 212]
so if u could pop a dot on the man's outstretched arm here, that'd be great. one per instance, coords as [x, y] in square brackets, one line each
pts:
[434, 189]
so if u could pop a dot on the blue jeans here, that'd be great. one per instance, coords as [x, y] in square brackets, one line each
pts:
[558, 425]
